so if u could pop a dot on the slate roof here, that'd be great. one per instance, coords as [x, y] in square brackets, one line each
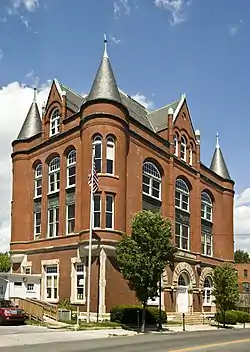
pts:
[218, 164]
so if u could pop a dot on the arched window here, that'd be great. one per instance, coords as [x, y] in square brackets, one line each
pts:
[176, 145]
[54, 122]
[207, 290]
[206, 206]
[151, 180]
[183, 148]
[97, 143]
[181, 281]
[191, 155]
[181, 195]
[38, 180]
[71, 168]
[54, 175]
[110, 155]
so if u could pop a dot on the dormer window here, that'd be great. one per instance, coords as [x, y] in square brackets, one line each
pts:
[183, 148]
[55, 122]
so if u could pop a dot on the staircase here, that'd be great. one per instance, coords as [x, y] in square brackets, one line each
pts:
[196, 318]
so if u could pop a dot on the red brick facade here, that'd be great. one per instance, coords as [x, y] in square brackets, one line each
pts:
[134, 144]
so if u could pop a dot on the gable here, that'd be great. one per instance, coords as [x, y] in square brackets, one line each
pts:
[54, 95]
[183, 121]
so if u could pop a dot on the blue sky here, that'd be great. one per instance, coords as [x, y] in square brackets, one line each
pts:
[158, 49]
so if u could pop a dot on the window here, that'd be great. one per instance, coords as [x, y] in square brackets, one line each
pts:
[176, 145]
[246, 287]
[110, 155]
[206, 207]
[38, 180]
[80, 281]
[151, 180]
[51, 282]
[181, 281]
[30, 287]
[55, 122]
[37, 223]
[182, 236]
[71, 169]
[53, 222]
[54, 175]
[207, 291]
[109, 211]
[183, 148]
[191, 155]
[70, 218]
[97, 211]
[27, 270]
[98, 153]
[206, 242]
[245, 273]
[181, 195]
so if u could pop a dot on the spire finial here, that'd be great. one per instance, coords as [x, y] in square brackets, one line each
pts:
[217, 141]
[34, 97]
[105, 54]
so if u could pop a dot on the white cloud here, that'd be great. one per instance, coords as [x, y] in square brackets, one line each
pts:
[242, 220]
[148, 104]
[15, 100]
[29, 5]
[234, 29]
[115, 40]
[121, 6]
[1, 54]
[177, 8]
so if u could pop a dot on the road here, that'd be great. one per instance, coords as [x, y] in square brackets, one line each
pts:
[207, 341]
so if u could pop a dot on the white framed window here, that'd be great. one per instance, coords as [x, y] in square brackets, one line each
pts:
[206, 242]
[54, 122]
[38, 180]
[54, 175]
[181, 195]
[151, 180]
[246, 287]
[176, 145]
[51, 282]
[183, 148]
[191, 155]
[70, 216]
[97, 211]
[206, 206]
[71, 169]
[53, 221]
[207, 292]
[37, 223]
[80, 282]
[109, 211]
[182, 236]
[98, 153]
[30, 287]
[110, 155]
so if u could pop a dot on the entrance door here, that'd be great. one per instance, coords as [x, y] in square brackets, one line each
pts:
[182, 300]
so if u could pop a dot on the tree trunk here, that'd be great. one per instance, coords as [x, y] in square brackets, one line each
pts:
[224, 318]
[143, 317]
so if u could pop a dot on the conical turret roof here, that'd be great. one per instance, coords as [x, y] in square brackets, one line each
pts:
[104, 86]
[32, 124]
[218, 164]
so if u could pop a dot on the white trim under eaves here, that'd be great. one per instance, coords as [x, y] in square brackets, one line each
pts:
[58, 87]
[181, 102]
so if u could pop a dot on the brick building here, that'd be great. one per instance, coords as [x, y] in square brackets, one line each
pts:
[145, 160]
[243, 271]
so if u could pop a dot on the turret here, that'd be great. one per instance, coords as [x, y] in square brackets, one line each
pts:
[218, 164]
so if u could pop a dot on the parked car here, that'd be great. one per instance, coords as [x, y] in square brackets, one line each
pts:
[10, 313]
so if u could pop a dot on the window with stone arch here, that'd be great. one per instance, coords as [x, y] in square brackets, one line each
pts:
[97, 145]
[182, 215]
[176, 144]
[151, 180]
[54, 175]
[183, 279]
[206, 224]
[71, 168]
[110, 155]
[181, 195]
[206, 206]
[207, 291]
[55, 122]
[183, 153]
[38, 180]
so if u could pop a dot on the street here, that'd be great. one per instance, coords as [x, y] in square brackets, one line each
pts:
[207, 341]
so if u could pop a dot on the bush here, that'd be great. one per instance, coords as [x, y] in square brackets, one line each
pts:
[128, 315]
[242, 317]
[230, 319]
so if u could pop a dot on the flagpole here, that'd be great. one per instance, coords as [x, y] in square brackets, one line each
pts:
[90, 236]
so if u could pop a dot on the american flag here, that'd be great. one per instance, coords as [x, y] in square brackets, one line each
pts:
[95, 179]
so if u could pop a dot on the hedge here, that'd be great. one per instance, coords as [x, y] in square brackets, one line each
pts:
[233, 317]
[128, 315]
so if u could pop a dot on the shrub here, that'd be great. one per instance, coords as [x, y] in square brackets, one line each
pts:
[242, 317]
[230, 319]
[128, 315]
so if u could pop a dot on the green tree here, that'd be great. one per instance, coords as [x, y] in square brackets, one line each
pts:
[241, 256]
[5, 262]
[143, 256]
[225, 288]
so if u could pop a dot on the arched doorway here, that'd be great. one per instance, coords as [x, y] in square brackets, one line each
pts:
[182, 293]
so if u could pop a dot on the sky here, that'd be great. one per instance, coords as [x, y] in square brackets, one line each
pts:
[159, 49]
